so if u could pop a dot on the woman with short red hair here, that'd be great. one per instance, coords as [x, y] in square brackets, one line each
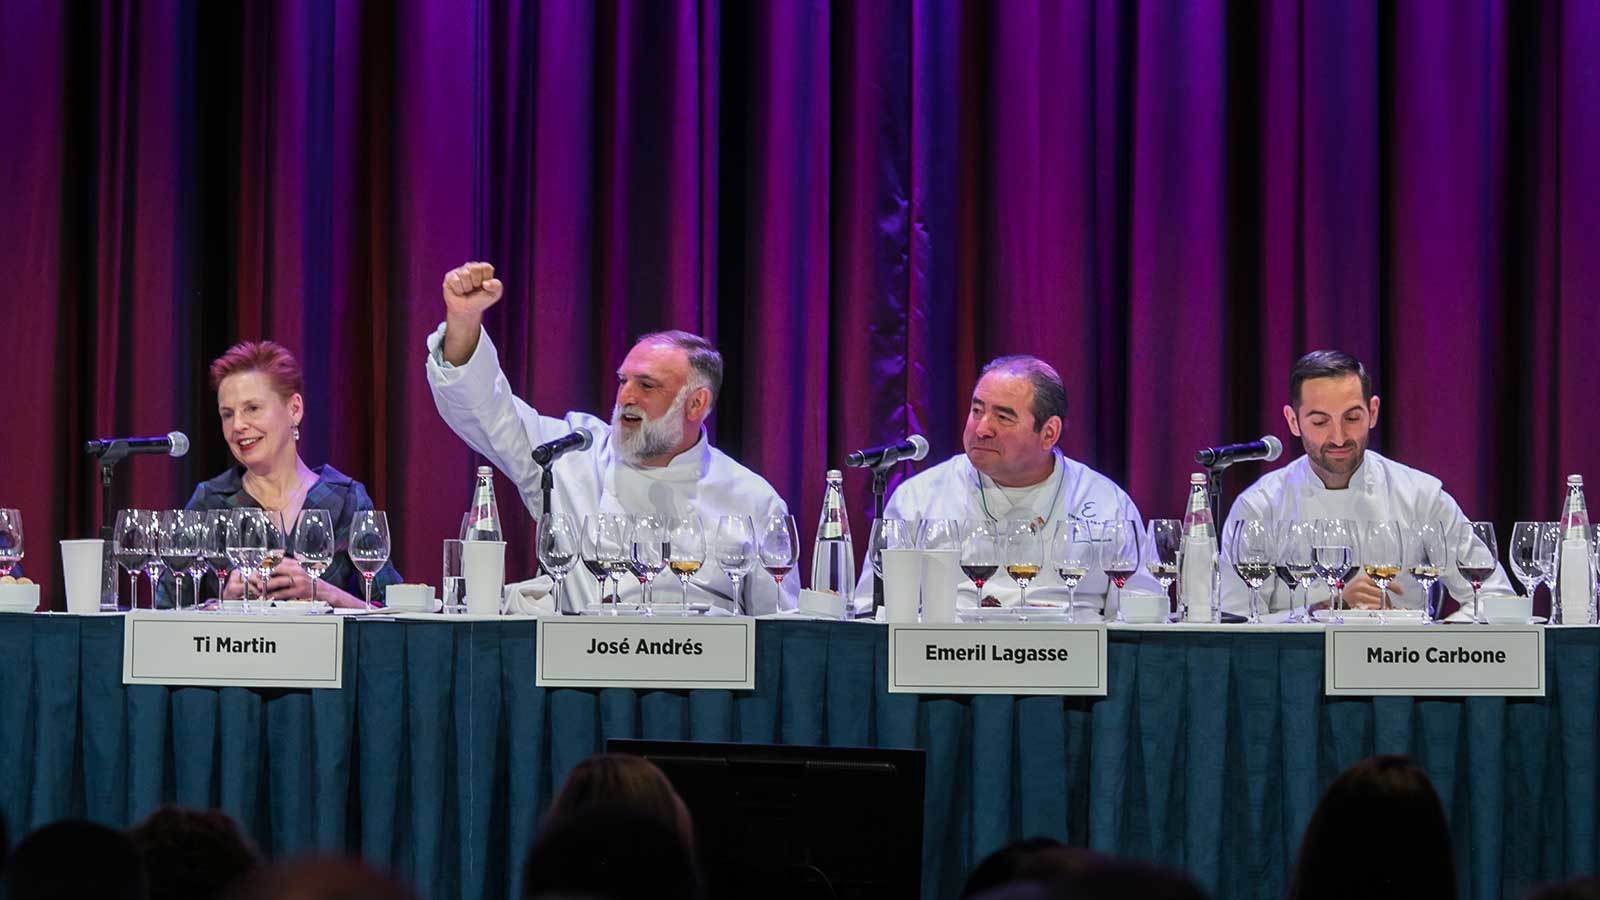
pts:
[260, 399]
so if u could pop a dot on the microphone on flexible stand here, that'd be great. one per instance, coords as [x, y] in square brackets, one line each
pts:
[1266, 449]
[107, 453]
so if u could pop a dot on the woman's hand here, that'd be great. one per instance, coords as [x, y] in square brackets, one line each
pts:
[288, 581]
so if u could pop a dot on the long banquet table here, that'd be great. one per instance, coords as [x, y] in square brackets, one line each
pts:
[438, 754]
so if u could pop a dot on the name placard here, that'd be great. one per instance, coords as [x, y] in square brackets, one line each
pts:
[233, 651]
[1434, 661]
[662, 652]
[1018, 658]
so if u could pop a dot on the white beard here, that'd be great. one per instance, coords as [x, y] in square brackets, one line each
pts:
[653, 437]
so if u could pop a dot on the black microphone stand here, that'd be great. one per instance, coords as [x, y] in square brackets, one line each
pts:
[880, 484]
[108, 459]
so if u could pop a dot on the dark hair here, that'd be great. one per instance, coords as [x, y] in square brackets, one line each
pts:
[323, 878]
[73, 859]
[192, 854]
[1388, 789]
[1030, 859]
[617, 782]
[1326, 364]
[611, 855]
[1577, 889]
[705, 363]
[1071, 873]
[1049, 391]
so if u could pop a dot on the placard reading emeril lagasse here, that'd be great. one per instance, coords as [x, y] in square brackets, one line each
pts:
[233, 651]
[664, 652]
[1435, 661]
[1042, 658]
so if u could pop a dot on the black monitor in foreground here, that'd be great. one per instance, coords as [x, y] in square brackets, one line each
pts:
[783, 822]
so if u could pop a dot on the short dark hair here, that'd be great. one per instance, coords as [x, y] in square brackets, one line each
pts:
[192, 854]
[49, 864]
[1049, 391]
[1326, 364]
[705, 363]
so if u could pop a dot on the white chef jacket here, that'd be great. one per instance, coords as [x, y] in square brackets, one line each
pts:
[476, 401]
[954, 489]
[1381, 490]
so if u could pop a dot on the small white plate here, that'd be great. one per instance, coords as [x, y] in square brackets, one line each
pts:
[293, 608]
[1029, 613]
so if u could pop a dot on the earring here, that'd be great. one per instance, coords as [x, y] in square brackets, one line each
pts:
[295, 430]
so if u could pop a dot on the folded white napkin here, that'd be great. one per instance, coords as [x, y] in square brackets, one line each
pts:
[534, 597]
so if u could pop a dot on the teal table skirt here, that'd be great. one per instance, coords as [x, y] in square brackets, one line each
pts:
[438, 755]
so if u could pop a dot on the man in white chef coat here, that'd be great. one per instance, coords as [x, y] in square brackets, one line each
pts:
[1012, 474]
[653, 456]
[1332, 410]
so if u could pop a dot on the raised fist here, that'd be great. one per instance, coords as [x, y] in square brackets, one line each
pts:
[471, 289]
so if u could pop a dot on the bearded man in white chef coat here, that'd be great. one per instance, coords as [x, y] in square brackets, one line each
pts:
[652, 457]
[1332, 410]
[1012, 475]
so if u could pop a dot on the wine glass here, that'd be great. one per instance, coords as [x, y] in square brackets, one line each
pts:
[888, 534]
[131, 545]
[780, 547]
[939, 534]
[1024, 558]
[369, 545]
[10, 540]
[1473, 546]
[192, 524]
[247, 546]
[734, 547]
[1164, 540]
[1527, 563]
[1332, 556]
[686, 550]
[1426, 559]
[1072, 552]
[315, 542]
[277, 546]
[1296, 564]
[1381, 557]
[1120, 554]
[560, 546]
[605, 553]
[214, 546]
[153, 566]
[1594, 577]
[648, 554]
[1549, 555]
[176, 551]
[1250, 545]
[981, 543]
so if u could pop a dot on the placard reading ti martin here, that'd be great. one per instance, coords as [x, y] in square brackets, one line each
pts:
[661, 652]
[1020, 658]
[232, 651]
[1435, 660]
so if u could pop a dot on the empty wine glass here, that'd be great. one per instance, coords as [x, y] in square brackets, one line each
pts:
[1251, 548]
[686, 550]
[1296, 564]
[215, 548]
[559, 548]
[277, 546]
[192, 524]
[1426, 558]
[132, 543]
[981, 548]
[1072, 552]
[606, 553]
[315, 542]
[369, 545]
[1527, 563]
[1120, 554]
[780, 547]
[1381, 558]
[177, 553]
[1549, 555]
[648, 552]
[1473, 547]
[1164, 544]
[734, 547]
[939, 534]
[1333, 558]
[10, 540]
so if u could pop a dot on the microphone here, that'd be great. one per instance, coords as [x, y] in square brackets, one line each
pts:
[176, 443]
[549, 451]
[1266, 449]
[912, 448]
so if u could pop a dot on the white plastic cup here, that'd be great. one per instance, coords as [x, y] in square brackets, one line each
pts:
[941, 575]
[483, 563]
[902, 585]
[414, 597]
[81, 565]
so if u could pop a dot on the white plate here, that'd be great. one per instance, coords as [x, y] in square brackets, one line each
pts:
[292, 608]
[1029, 613]
[1370, 616]
[1500, 620]
[660, 609]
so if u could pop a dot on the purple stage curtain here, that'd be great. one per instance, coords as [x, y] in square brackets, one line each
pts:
[861, 202]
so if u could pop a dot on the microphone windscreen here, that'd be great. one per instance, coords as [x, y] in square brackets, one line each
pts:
[180, 443]
[921, 443]
[1274, 447]
[588, 438]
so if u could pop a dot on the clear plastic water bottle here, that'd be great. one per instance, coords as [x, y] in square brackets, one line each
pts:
[1197, 564]
[833, 558]
[482, 521]
[1574, 578]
